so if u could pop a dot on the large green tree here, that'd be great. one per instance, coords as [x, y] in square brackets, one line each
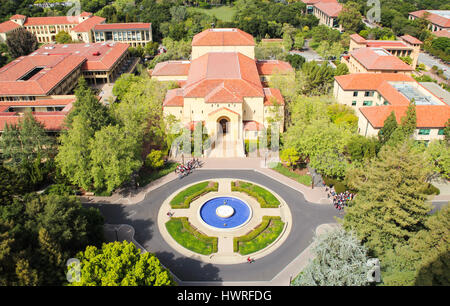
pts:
[21, 42]
[390, 206]
[340, 260]
[120, 264]
[350, 17]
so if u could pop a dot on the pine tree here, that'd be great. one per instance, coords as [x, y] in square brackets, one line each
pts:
[390, 206]
[409, 121]
[389, 126]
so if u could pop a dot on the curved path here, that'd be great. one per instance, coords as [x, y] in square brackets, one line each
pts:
[142, 216]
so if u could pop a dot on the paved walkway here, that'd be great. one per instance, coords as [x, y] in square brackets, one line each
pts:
[316, 195]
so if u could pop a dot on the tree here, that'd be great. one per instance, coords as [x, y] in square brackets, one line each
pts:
[350, 17]
[11, 185]
[340, 260]
[341, 69]
[391, 206]
[289, 156]
[389, 126]
[287, 42]
[360, 148]
[154, 159]
[115, 155]
[27, 149]
[21, 42]
[315, 79]
[438, 153]
[299, 41]
[120, 264]
[63, 37]
[123, 83]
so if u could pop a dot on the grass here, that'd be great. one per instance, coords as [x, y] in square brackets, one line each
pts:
[265, 198]
[184, 198]
[259, 238]
[147, 176]
[190, 238]
[303, 179]
[224, 13]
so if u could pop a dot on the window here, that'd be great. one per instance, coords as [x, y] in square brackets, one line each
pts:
[355, 94]
[368, 94]
[353, 103]
[441, 132]
[424, 131]
[385, 102]
[367, 103]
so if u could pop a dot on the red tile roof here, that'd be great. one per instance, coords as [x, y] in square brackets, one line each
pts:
[442, 33]
[223, 37]
[433, 18]
[56, 68]
[411, 39]
[174, 97]
[32, 21]
[271, 94]
[122, 26]
[379, 59]
[251, 125]
[331, 9]
[231, 70]
[85, 14]
[268, 67]
[316, 1]
[52, 121]
[428, 116]
[99, 56]
[7, 26]
[171, 68]
[358, 38]
[386, 44]
[17, 16]
[88, 24]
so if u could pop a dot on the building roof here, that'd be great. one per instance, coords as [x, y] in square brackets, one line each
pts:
[386, 44]
[88, 24]
[17, 16]
[331, 9]
[439, 18]
[251, 125]
[52, 121]
[379, 59]
[51, 70]
[271, 94]
[174, 97]
[122, 26]
[172, 68]
[428, 116]
[7, 26]
[99, 56]
[223, 37]
[437, 90]
[411, 39]
[442, 33]
[268, 67]
[316, 1]
[54, 20]
[234, 72]
[358, 38]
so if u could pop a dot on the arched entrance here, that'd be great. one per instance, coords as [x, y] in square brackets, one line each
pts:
[224, 122]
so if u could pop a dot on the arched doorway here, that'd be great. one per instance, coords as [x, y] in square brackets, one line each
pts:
[224, 122]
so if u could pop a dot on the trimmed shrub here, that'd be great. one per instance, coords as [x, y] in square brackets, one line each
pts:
[184, 198]
[263, 196]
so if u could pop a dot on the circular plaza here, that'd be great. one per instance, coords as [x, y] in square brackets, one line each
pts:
[224, 221]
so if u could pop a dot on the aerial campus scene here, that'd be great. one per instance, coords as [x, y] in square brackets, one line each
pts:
[244, 143]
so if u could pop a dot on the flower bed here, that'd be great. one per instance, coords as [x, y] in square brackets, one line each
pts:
[184, 198]
[190, 238]
[260, 237]
[265, 198]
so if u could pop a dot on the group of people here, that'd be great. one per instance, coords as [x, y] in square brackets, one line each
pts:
[183, 170]
[340, 199]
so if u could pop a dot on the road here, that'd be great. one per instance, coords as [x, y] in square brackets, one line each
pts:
[430, 61]
[142, 216]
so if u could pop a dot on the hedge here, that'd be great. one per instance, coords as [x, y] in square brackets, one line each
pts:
[266, 221]
[189, 237]
[184, 198]
[263, 196]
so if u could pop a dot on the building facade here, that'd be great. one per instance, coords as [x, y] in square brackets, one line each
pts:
[439, 20]
[221, 87]
[375, 96]
[135, 34]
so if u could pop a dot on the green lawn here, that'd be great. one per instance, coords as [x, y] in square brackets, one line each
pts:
[303, 179]
[184, 198]
[224, 13]
[183, 233]
[262, 236]
[262, 195]
[146, 176]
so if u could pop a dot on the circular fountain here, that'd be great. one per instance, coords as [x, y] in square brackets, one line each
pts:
[225, 213]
